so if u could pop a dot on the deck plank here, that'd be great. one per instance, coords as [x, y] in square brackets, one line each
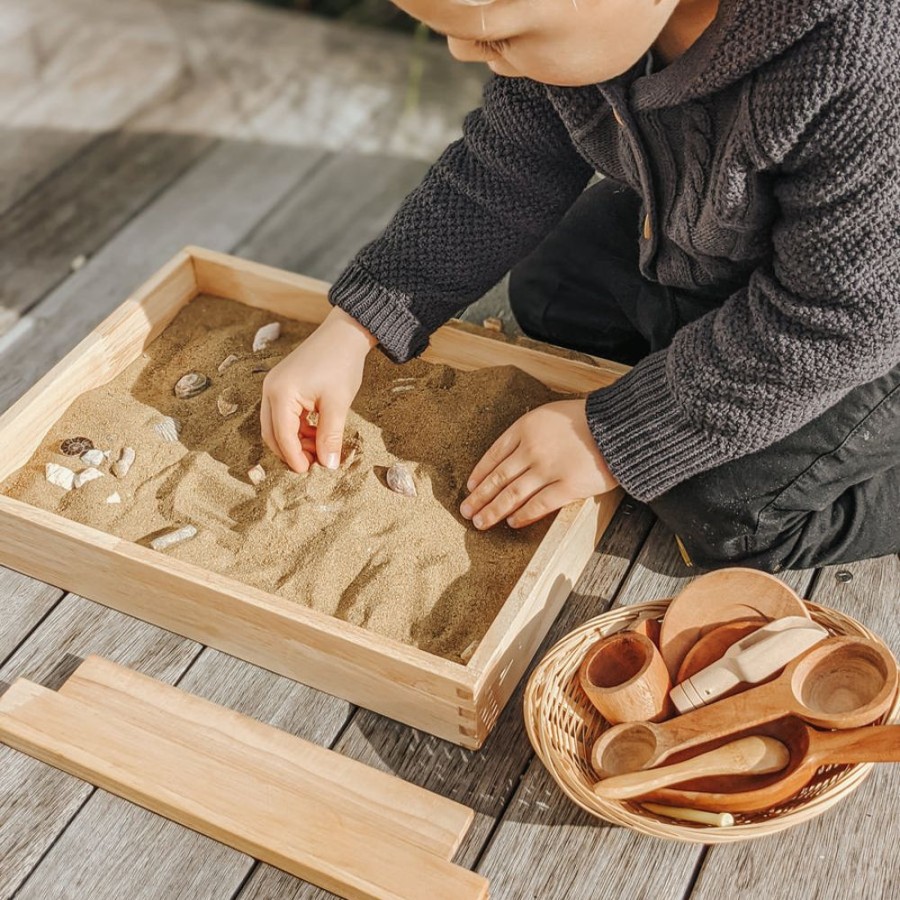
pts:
[23, 603]
[36, 800]
[851, 850]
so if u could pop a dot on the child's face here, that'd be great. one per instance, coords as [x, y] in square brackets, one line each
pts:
[561, 42]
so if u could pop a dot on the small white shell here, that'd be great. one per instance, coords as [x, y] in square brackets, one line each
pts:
[191, 385]
[226, 407]
[90, 474]
[168, 429]
[114, 498]
[228, 362]
[400, 480]
[60, 476]
[266, 335]
[125, 461]
[173, 537]
[312, 418]
[93, 457]
[257, 474]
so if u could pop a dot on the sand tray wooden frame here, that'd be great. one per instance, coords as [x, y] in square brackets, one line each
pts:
[459, 703]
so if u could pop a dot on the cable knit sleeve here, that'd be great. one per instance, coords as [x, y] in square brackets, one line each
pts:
[485, 203]
[819, 317]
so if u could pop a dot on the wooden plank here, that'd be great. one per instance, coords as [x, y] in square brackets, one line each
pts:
[161, 762]
[488, 778]
[36, 802]
[416, 817]
[850, 851]
[23, 603]
[216, 203]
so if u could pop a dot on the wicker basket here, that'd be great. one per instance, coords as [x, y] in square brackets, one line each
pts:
[563, 725]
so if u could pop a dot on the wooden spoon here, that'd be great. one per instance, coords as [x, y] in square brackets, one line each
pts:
[843, 682]
[749, 756]
[810, 749]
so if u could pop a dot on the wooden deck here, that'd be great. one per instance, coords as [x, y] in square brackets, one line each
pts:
[131, 128]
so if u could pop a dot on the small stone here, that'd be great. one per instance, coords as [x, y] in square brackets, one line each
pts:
[312, 418]
[114, 498]
[400, 480]
[227, 363]
[75, 446]
[191, 385]
[90, 474]
[492, 323]
[226, 407]
[467, 654]
[257, 474]
[60, 476]
[173, 537]
[78, 262]
[266, 335]
[843, 576]
[124, 463]
[94, 457]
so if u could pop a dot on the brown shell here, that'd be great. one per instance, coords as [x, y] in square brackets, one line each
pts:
[75, 446]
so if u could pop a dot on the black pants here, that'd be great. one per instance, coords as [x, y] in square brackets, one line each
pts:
[828, 493]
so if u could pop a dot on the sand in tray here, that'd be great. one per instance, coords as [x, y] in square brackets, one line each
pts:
[338, 541]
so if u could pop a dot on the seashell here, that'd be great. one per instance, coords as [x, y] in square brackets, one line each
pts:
[173, 537]
[350, 458]
[94, 457]
[492, 323]
[226, 407]
[227, 363]
[114, 498]
[191, 385]
[266, 335]
[400, 480]
[60, 476]
[402, 387]
[168, 429]
[312, 418]
[467, 654]
[75, 446]
[257, 474]
[125, 461]
[87, 475]
[411, 378]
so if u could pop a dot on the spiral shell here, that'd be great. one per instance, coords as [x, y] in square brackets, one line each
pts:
[75, 446]
[191, 385]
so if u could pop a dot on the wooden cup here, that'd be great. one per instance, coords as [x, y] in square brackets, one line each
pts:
[625, 678]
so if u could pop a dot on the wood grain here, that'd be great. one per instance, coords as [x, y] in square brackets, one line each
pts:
[163, 762]
[23, 603]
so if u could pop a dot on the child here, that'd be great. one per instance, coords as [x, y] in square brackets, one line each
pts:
[742, 252]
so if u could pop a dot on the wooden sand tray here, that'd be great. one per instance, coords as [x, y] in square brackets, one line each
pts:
[459, 703]
[323, 817]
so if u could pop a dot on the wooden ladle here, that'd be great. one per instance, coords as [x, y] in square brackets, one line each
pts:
[809, 750]
[843, 682]
[755, 755]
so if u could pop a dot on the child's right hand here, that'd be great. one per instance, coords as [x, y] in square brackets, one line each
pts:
[322, 374]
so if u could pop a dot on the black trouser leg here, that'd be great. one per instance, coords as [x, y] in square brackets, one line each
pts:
[828, 493]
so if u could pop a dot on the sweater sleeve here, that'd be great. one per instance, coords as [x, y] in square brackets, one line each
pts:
[485, 203]
[819, 317]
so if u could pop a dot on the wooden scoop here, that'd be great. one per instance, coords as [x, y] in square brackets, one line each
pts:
[809, 750]
[843, 682]
[748, 756]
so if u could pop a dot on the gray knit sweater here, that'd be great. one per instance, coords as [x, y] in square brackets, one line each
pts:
[767, 160]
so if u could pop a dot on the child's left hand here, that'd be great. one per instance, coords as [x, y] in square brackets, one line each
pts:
[544, 460]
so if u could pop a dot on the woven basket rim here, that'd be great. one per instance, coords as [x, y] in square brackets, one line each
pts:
[543, 715]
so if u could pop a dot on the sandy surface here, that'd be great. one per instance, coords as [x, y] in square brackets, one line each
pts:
[340, 542]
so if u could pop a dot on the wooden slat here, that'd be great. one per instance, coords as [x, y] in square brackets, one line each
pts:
[414, 816]
[488, 778]
[23, 603]
[850, 851]
[162, 763]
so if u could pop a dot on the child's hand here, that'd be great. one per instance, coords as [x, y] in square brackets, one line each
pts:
[543, 461]
[323, 374]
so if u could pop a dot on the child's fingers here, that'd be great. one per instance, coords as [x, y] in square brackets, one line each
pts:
[551, 498]
[505, 445]
[493, 483]
[330, 433]
[266, 429]
[517, 493]
[286, 425]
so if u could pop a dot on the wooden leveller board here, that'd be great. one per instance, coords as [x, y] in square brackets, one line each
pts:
[455, 702]
[328, 819]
